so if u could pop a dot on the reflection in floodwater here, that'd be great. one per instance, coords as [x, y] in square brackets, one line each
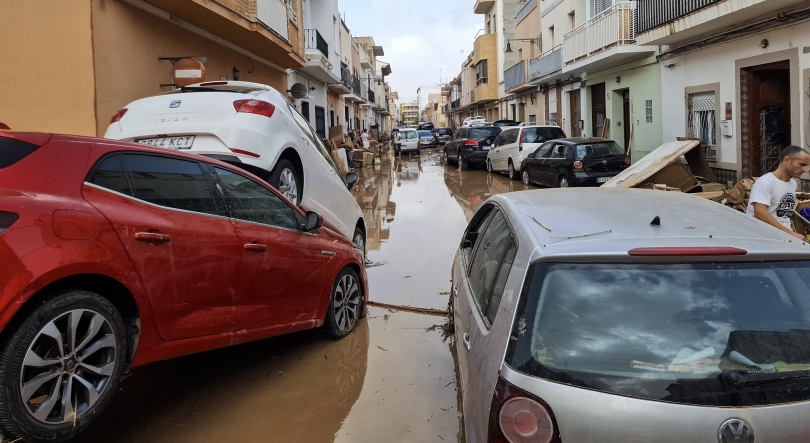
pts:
[472, 188]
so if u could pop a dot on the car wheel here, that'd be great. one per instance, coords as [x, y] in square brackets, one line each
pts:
[285, 178]
[345, 305]
[61, 367]
[525, 176]
[463, 163]
[489, 166]
[563, 182]
[359, 241]
[418, 152]
[513, 175]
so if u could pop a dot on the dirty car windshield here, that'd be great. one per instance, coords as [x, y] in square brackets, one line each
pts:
[596, 150]
[541, 135]
[484, 133]
[667, 332]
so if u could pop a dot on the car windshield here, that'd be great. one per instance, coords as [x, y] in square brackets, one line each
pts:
[541, 135]
[408, 135]
[425, 134]
[598, 150]
[443, 131]
[667, 331]
[484, 133]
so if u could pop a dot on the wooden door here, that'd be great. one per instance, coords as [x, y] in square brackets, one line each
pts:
[598, 109]
[576, 114]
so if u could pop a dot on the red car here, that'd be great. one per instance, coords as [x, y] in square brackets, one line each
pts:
[116, 255]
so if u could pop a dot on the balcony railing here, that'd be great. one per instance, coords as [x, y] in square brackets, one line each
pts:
[515, 76]
[315, 41]
[481, 81]
[546, 64]
[346, 77]
[655, 13]
[527, 8]
[371, 97]
[273, 14]
[612, 27]
[364, 91]
[455, 104]
[356, 86]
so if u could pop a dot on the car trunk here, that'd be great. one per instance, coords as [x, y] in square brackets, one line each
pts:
[611, 163]
[484, 137]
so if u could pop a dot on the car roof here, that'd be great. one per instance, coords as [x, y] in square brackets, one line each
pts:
[539, 126]
[574, 223]
[581, 140]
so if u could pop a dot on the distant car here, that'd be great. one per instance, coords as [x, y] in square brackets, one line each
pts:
[470, 146]
[408, 140]
[514, 143]
[505, 123]
[467, 121]
[426, 126]
[443, 135]
[574, 162]
[578, 321]
[427, 139]
[254, 127]
[117, 255]
[480, 123]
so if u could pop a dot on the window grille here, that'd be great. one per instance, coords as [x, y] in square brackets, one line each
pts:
[649, 111]
[700, 123]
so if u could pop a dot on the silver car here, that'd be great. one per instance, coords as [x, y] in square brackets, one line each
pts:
[629, 315]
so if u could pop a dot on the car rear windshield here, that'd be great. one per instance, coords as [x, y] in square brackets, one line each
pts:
[670, 332]
[425, 134]
[541, 135]
[444, 131]
[598, 150]
[484, 133]
[13, 150]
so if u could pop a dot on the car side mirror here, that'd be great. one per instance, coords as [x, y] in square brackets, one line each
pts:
[469, 240]
[313, 221]
[351, 179]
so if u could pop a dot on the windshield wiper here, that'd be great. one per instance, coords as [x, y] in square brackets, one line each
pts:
[743, 378]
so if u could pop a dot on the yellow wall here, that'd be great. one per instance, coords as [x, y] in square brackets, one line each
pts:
[46, 66]
[486, 47]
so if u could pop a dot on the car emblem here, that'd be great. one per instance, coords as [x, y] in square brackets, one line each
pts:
[489, 142]
[735, 431]
[175, 104]
[604, 162]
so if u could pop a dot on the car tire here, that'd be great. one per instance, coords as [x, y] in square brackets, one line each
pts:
[489, 166]
[513, 175]
[286, 179]
[525, 175]
[418, 152]
[359, 241]
[345, 305]
[562, 182]
[34, 350]
[463, 163]
[447, 160]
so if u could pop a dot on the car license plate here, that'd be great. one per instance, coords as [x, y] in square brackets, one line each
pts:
[602, 179]
[184, 142]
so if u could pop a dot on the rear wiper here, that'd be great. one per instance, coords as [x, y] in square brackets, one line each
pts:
[743, 378]
[198, 89]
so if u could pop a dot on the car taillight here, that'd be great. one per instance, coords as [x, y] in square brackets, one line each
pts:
[627, 160]
[520, 146]
[471, 143]
[118, 116]
[519, 417]
[698, 251]
[7, 219]
[243, 152]
[254, 107]
[577, 165]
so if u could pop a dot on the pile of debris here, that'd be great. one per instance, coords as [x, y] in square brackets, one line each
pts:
[344, 150]
[738, 196]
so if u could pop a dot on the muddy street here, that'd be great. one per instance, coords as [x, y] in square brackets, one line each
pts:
[393, 379]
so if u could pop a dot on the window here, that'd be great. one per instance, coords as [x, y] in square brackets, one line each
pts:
[12, 151]
[600, 6]
[540, 135]
[481, 72]
[495, 248]
[700, 120]
[542, 151]
[250, 201]
[552, 117]
[512, 136]
[171, 182]
[551, 33]
[598, 150]
[649, 110]
[305, 110]
[558, 151]
[532, 119]
[110, 174]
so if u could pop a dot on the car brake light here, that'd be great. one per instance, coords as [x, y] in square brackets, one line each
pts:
[698, 251]
[248, 153]
[519, 417]
[471, 143]
[118, 116]
[520, 146]
[627, 160]
[577, 165]
[213, 83]
[254, 107]
[7, 219]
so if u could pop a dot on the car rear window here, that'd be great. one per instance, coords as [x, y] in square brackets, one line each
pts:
[443, 131]
[597, 150]
[671, 332]
[425, 134]
[541, 135]
[484, 133]
[13, 150]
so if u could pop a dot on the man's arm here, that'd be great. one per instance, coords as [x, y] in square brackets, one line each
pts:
[761, 213]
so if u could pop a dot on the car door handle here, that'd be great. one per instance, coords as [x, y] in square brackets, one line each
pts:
[255, 247]
[466, 340]
[152, 237]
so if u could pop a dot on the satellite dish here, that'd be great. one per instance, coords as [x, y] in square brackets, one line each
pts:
[299, 91]
[188, 71]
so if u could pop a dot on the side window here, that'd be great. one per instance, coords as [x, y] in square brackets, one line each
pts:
[462, 133]
[171, 182]
[500, 281]
[486, 260]
[558, 151]
[474, 231]
[250, 201]
[542, 151]
[109, 173]
[499, 141]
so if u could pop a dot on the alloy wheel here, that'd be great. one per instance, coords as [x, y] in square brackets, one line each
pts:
[525, 175]
[68, 366]
[489, 166]
[563, 182]
[512, 175]
[360, 243]
[289, 185]
[347, 303]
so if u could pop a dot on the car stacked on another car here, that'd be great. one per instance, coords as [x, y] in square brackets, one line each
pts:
[581, 321]
[117, 254]
[427, 139]
[469, 120]
[574, 162]
[254, 127]
[470, 145]
[514, 143]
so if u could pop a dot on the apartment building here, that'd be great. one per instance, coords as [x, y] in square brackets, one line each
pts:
[88, 59]
[736, 75]
[524, 101]
[410, 113]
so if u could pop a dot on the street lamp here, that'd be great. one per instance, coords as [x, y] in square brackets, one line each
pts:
[535, 41]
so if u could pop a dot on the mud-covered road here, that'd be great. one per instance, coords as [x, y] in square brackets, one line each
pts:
[392, 380]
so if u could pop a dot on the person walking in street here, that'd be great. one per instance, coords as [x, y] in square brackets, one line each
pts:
[364, 136]
[773, 197]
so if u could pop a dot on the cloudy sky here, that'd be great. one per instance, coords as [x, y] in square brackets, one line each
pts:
[419, 37]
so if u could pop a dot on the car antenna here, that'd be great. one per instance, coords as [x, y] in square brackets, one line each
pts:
[656, 221]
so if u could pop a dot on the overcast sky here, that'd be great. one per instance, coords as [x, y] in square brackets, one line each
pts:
[419, 37]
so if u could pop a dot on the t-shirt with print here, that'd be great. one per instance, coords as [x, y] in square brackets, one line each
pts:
[778, 196]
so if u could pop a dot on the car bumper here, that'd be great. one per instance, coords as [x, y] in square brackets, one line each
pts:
[475, 156]
[427, 145]
[584, 179]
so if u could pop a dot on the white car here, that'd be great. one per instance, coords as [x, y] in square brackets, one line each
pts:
[514, 143]
[252, 126]
[408, 140]
[469, 120]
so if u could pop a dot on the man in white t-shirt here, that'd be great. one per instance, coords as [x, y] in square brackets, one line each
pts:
[773, 196]
[364, 135]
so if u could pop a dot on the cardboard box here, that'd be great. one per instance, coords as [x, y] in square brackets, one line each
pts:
[339, 157]
[368, 158]
[712, 187]
[674, 175]
[336, 133]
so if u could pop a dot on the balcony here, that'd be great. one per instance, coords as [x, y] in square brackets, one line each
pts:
[515, 79]
[317, 54]
[455, 104]
[546, 65]
[605, 41]
[314, 40]
[365, 63]
[690, 19]
[356, 94]
[273, 14]
[371, 97]
[483, 6]
[345, 84]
